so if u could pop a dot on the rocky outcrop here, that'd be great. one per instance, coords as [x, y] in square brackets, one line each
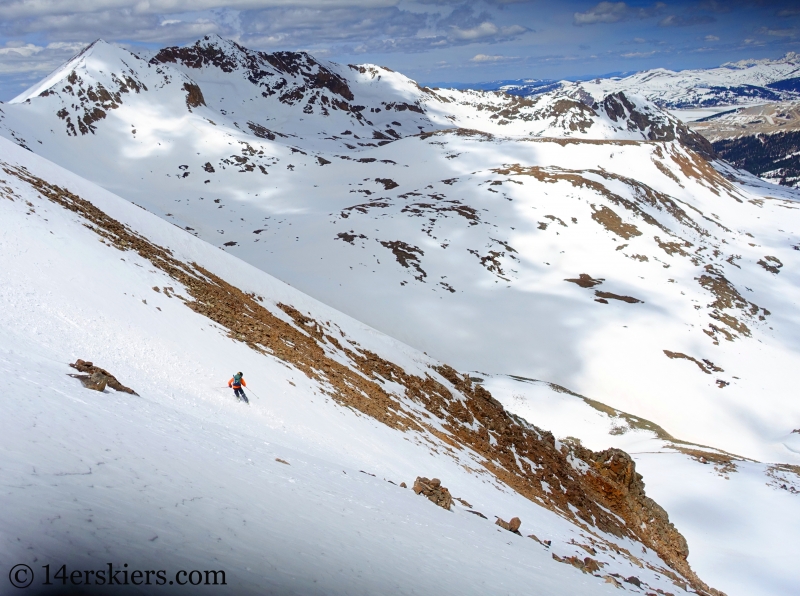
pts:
[512, 525]
[656, 126]
[194, 96]
[434, 490]
[97, 378]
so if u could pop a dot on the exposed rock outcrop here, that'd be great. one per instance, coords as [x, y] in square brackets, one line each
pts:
[97, 378]
[434, 490]
[512, 525]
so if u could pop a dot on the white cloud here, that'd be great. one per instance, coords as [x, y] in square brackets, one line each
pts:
[711, 38]
[638, 54]
[487, 58]
[18, 9]
[484, 30]
[605, 12]
[774, 32]
[18, 57]
[614, 12]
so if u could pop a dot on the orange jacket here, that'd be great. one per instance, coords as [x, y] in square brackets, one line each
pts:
[230, 383]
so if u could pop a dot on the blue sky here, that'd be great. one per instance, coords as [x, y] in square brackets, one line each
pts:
[429, 40]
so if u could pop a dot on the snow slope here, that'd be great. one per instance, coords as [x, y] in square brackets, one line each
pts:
[461, 242]
[729, 507]
[181, 477]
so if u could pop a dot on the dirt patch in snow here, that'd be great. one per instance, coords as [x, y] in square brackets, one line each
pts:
[771, 264]
[585, 280]
[613, 223]
[388, 183]
[705, 365]
[407, 255]
[727, 297]
[724, 463]
[611, 296]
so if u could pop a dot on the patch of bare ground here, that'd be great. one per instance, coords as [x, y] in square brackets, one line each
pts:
[452, 206]
[664, 169]
[613, 223]
[694, 166]
[603, 494]
[705, 365]
[771, 264]
[784, 477]
[350, 237]
[407, 255]
[388, 183]
[724, 463]
[364, 207]
[727, 297]
[611, 296]
[672, 248]
[585, 280]
[263, 132]
[642, 195]
[194, 96]
[492, 261]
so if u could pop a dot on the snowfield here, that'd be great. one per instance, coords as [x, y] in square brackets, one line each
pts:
[183, 477]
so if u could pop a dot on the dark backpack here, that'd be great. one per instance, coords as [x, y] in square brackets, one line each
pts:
[237, 379]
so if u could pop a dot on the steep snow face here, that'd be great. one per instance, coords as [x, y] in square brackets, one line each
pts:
[629, 270]
[744, 82]
[290, 495]
[728, 507]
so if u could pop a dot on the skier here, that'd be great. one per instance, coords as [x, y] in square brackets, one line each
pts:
[236, 384]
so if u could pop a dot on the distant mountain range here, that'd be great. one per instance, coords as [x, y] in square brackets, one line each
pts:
[733, 83]
[770, 151]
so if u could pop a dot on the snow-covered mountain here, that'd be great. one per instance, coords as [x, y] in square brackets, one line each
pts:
[288, 96]
[734, 83]
[588, 240]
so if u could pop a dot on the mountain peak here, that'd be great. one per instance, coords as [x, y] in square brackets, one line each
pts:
[64, 70]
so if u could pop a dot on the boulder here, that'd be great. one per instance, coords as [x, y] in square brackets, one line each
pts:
[511, 526]
[97, 378]
[433, 489]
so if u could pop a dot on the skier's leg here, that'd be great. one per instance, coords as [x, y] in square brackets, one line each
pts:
[244, 397]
